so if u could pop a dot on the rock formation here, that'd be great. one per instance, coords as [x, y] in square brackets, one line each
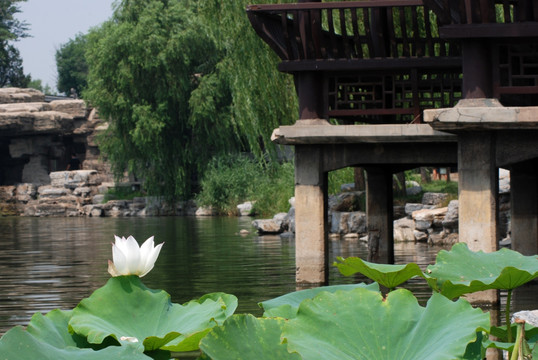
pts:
[38, 137]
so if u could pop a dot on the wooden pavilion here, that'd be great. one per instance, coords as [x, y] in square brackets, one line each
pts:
[390, 85]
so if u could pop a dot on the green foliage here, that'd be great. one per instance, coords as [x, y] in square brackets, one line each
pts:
[11, 70]
[228, 181]
[244, 337]
[355, 324]
[11, 29]
[460, 270]
[35, 83]
[72, 66]
[181, 82]
[275, 189]
[286, 306]
[122, 193]
[47, 338]
[339, 177]
[126, 320]
[262, 97]
[441, 186]
[387, 275]
[124, 307]
[232, 179]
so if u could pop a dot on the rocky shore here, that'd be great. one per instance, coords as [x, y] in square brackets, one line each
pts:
[81, 193]
[434, 220]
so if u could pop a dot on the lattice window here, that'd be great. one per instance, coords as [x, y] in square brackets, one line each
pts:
[394, 96]
[439, 90]
[518, 65]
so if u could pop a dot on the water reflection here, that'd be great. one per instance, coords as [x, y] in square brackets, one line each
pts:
[49, 263]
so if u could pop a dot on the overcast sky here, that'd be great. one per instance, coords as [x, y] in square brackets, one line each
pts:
[52, 23]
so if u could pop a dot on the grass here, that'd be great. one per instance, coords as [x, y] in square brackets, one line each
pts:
[122, 193]
[233, 179]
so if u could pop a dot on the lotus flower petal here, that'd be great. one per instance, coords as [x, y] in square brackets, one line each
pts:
[131, 259]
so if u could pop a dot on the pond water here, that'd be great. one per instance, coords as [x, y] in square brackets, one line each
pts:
[49, 263]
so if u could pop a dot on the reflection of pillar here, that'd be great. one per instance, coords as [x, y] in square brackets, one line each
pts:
[478, 183]
[379, 215]
[311, 252]
[524, 208]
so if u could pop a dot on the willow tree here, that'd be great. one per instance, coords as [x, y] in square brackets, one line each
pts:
[262, 98]
[181, 82]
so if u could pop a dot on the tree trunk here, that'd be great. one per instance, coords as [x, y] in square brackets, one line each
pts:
[360, 181]
[425, 175]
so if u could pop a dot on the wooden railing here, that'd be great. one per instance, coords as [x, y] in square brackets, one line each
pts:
[351, 30]
[451, 12]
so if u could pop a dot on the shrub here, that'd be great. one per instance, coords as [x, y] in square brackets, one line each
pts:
[232, 179]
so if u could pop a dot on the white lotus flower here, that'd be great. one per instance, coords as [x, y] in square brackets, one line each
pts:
[130, 259]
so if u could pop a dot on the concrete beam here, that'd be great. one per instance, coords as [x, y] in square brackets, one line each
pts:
[403, 155]
[352, 134]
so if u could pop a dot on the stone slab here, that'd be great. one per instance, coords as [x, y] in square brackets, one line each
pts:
[338, 134]
[482, 114]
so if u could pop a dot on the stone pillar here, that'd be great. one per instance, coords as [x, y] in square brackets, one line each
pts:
[478, 184]
[379, 215]
[524, 208]
[311, 230]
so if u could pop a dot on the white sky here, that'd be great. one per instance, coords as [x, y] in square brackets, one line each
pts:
[51, 24]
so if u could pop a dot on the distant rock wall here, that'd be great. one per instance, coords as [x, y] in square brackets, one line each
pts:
[38, 137]
[81, 193]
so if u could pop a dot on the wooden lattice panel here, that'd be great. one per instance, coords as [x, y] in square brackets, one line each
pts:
[401, 94]
[517, 67]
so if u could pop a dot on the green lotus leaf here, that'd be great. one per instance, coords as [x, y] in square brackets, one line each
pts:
[387, 275]
[361, 324]
[461, 271]
[128, 311]
[286, 306]
[47, 338]
[230, 302]
[246, 337]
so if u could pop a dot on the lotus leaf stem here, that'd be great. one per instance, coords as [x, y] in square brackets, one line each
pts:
[507, 315]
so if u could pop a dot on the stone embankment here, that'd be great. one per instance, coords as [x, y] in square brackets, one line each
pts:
[80, 193]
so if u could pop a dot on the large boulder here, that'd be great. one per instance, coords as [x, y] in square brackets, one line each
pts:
[347, 201]
[17, 95]
[403, 230]
[451, 218]
[271, 226]
[427, 218]
[246, 208]
[25, 107]
[74, 108]
[74, 179]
